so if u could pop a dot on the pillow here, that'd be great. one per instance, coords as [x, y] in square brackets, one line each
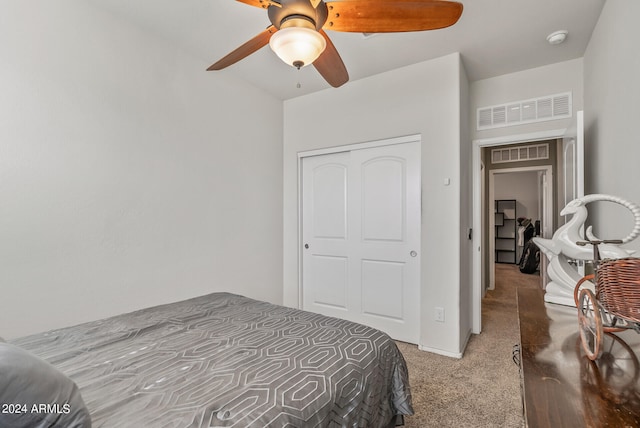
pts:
[34, 394]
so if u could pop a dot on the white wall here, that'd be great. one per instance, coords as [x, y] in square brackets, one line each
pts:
[521, 186]
[420, 99]
[128, 175]
[536, 82]
[612, 110]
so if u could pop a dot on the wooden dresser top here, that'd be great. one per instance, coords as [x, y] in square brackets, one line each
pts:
[561, 386]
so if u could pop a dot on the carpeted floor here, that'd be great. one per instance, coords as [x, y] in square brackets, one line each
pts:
[482, 389]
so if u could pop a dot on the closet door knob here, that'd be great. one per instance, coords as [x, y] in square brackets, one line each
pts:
[413, 254]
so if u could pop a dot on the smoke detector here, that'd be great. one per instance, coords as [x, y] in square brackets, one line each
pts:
[557, 37]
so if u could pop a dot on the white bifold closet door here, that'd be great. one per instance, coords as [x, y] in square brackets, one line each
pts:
[361, 237]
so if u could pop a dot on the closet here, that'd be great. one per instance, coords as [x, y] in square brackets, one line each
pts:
[361, 237]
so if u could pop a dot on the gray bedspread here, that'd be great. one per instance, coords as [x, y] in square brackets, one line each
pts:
[223, 360]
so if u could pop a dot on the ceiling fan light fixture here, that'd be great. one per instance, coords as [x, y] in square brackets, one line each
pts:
[298, 46]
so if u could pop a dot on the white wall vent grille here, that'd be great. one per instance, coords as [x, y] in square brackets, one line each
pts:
[520, 153]
[541, 109]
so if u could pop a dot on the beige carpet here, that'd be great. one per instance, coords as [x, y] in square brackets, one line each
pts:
[482, 389]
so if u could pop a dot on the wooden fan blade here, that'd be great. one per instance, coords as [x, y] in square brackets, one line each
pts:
[384, 16]
[245, 50]
[330, 65]
[257, 3]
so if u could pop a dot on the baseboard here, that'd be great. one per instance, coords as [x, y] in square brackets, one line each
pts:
[440, 352]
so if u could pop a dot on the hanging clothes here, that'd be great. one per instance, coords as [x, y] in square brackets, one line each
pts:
[525, 232]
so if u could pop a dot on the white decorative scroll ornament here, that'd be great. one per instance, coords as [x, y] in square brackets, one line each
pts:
[563, 247]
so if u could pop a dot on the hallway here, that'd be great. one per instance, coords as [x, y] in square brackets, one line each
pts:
[482, 388]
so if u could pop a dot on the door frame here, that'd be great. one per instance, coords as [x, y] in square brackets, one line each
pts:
[338, 149]
[477, 177]
[545, 200]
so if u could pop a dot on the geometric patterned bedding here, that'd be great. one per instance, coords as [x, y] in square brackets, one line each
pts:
[224, 360]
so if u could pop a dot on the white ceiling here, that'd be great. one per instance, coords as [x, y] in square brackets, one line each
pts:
[494, 37]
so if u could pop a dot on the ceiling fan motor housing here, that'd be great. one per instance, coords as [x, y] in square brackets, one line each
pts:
[298, 8]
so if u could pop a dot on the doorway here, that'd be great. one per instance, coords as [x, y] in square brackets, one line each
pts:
[479, 211]
[572, 178]
[532, 193]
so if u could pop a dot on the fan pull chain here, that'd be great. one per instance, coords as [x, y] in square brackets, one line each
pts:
[298, 85]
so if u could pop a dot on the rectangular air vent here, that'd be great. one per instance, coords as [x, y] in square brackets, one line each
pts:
[541, 109]
[520, 153]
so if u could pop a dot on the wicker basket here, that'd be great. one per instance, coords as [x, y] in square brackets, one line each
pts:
[618, 287]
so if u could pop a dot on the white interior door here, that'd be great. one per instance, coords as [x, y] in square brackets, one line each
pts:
[325, 260]
[573, 170]
[573, 162]
[361, 237]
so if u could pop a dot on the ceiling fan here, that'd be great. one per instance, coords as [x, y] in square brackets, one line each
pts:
[297, 35]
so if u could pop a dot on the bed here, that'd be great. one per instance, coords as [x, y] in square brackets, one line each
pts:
[224, 360]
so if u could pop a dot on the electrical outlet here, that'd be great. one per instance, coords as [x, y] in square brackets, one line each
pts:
[439, 314]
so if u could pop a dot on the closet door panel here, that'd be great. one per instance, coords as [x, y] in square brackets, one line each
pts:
[361, 237]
